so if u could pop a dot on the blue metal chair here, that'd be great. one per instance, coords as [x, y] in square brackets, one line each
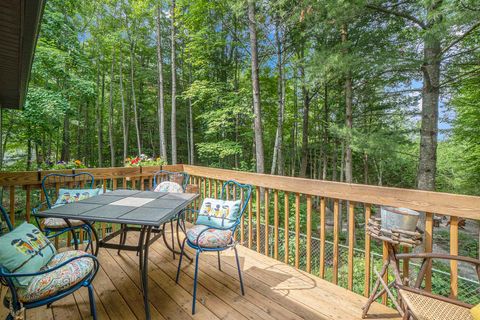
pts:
[53, 227]
[163, 176]
[17, 303]
[181, 178]
[194, 241]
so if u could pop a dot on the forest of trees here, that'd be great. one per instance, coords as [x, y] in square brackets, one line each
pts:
[349, 91]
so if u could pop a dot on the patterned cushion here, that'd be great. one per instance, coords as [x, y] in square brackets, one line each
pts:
[25, 250]
[49, 284]
[219, 213]
[212, 238]
[58, 223]
[73, 195]
[169, 186]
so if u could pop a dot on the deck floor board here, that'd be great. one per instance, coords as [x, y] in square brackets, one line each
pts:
[273, 290]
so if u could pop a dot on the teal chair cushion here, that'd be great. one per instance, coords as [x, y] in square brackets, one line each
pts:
[73, 195]
[25, 250]
[219, 213]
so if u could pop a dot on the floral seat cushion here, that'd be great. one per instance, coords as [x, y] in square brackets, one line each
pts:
[169, 186]
[49, 284]
[59, 223]
[212, 238]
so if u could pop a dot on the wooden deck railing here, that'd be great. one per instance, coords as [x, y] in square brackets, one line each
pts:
[354, 198]
[309, 201]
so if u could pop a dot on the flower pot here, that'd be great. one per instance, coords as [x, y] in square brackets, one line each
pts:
[399, 218]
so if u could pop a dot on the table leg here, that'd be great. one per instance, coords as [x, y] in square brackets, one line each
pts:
[95, 234]
[145, 237]
[123, 236]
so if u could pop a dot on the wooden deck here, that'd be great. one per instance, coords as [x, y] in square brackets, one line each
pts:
[273, 291]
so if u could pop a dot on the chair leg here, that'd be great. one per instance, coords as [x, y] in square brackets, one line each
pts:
[219, 265]
[123, 237]
[180, 260]
[91, 297]
[195, 282]
[239, 271]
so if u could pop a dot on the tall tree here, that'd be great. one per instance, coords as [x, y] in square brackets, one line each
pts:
[348, 108]
[174, 86]
[124, 111]
[277, 159]
[110, 113]
[257, 110]
[161, 106]
[432, 19]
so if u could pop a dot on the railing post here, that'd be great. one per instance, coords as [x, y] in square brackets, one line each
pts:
[322, 237]
[351, 242]
[297, 230]
[428, 248]
[366, 289]
[336, 226]
[309, 234]
[453, 251]
[275, 217]
[286, 227]
[257, 215]
[267, 200]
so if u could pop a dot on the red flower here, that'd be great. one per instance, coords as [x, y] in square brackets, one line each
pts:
[135, 161]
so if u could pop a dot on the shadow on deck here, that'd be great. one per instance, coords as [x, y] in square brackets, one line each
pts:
[273, 291]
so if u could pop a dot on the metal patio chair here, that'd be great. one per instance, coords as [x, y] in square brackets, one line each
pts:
[214, 229]
[64, 274]
[53, 227]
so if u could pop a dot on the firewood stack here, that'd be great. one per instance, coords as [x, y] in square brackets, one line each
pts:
[395, 236]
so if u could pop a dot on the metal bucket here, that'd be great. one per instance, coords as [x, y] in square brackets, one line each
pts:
[399, 218]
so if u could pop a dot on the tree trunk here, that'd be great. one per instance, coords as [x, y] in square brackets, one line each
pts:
[277, 159]
[257, 110]
[325, 134]
[348, 111]
[134, 100]
[429, 127]
[161, 106]
[306, 114]
[174, 88]
[190, 125]
[65, 156]
[124, 120]
[110, 115]
[29, 154]
[99, 107]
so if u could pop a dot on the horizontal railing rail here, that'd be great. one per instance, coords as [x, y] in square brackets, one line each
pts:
[282, 203]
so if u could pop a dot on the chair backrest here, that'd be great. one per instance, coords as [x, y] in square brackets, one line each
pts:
[178, 177]
[51, 183]
[231, 190]
[5, 220]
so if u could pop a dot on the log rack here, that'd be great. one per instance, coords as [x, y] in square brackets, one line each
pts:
[393, 238]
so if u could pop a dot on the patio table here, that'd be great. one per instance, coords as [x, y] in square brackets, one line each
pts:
[134, 210]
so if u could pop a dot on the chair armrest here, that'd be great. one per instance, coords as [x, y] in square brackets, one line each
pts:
[6, 274]
[440, 256]
[39, 208]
